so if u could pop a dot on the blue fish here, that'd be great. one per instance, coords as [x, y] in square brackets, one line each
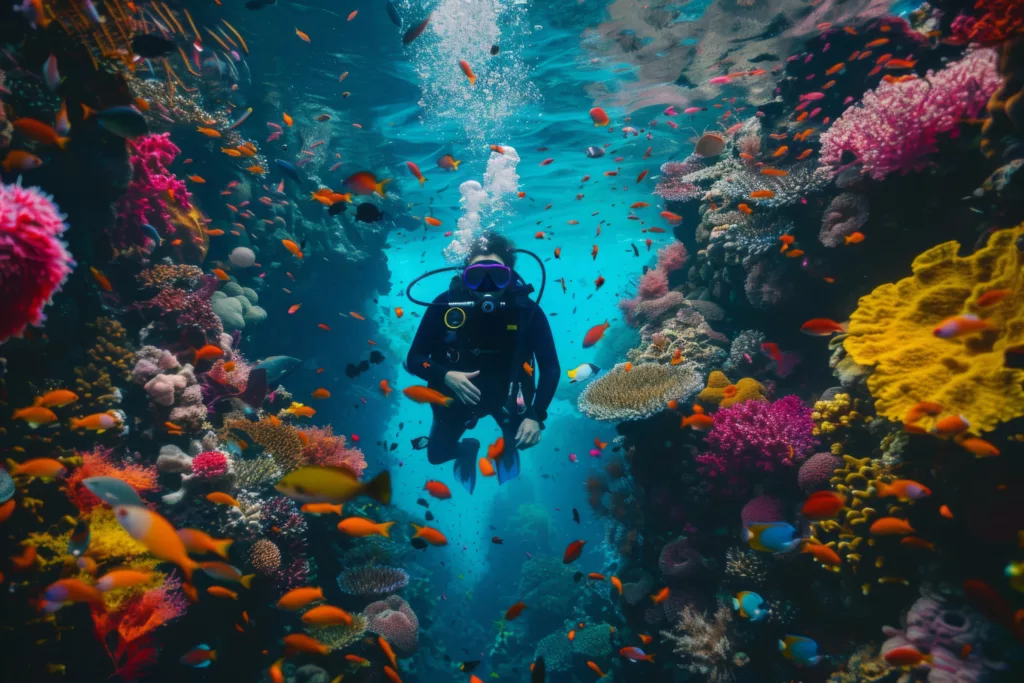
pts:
[288, 169]
[6, 486]
[113, 491]
[800, 649]
[748, 604]
[771, 537]
[79, 541]
[152, 234]
[277, 368]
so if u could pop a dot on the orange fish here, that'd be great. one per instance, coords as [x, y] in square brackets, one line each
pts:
[661, 596]
[438, 489]
[327, 615]
[322, 509]
[804, 154]
[468, 70]
[774, 172]
[37, 131]
[421, 394]
[891, 526]
[431, 536]
[617, 583]
[221, 274]
[950, 425]
[854, 238]
[903, 489]
[37, 467]
[385, 388]
[35, 416]
[209, 352]
[391, 674]
[101, 280]
[877, 43]
[593, 252]
[486, 467]
[215, 233]
[915, 542]
[515, 610]
[321, 393]
[385, 646]
[596, 669]
[197, 179]
[293, 248]
[356, 315]
[822, 553]
[399, 312]
[762, 194]
[430, 220]
[980, 448]
[199, 542]
[835, 68]
[297, 598]
[946, 512]
[594, 576]
[823, 505]
[646, 639]
[304, 38]
[361, 527]
[157, 534]
[672, 218]
[699, 421]
[780, 152]
[573, 552]
[300, 642]
[97, 422]
[293, 308]
[221, 498]
[900, 64]
[745, 209]
[992, 297]
[324, 326]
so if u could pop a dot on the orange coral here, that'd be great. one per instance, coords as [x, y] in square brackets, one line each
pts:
[99, 463]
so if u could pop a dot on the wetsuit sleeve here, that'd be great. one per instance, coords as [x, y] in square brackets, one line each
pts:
[549, 372]
[420, 361]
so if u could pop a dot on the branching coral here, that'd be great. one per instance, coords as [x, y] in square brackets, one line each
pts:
[745, 348]
[152, 192]
[278, 438]
[756, 437]
[703, 644]
[896, 126]
[34, 262]
[640, 310]
[255, 473]
[327, 449]
[100, 463]
[893, 331]
[721, 393]
[672, 257]
[639, 392]
[746, 567]
[110, 361]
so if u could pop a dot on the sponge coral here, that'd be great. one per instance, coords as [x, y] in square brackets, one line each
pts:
[640, 392]
[892, 330]
[721, 393]
[33, 260]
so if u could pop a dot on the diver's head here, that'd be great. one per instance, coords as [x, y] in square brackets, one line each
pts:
[489, 263]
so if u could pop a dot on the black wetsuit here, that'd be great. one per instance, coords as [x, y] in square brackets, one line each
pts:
[491, 343]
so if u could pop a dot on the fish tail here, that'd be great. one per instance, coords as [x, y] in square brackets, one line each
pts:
[419, 530]
[379, 488]
[221, 547]
[11, 466]
[881, 488]
[74, 422]
[188, 567]
[62, 141]
[246, 581]
[456, 162]
[87, 111]
[385, 529]
[448, 400]
[379, 187]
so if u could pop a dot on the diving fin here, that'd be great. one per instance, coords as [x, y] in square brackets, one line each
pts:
[465, 463]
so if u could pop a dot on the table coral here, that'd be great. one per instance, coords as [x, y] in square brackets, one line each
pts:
[721, 393]
[171, 275]
[34, 262]
[641, 392]
[892, 330]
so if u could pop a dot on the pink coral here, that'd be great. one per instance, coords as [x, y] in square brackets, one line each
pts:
[239, 375]
[672, 257]
[653, 284]
[327, 449]
[178, 308]
[34, 262]
[679, 560]
[896, 126]
[395, 620]
[145, 201]
[756, 437]
[210, 465]
[763, 509]
[641, 310]
[814, 474]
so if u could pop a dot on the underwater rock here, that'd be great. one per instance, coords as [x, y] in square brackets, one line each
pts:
[242, 257]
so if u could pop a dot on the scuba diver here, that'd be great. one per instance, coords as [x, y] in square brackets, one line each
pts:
[485, 342]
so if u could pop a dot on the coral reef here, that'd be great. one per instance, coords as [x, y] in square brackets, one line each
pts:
[255, 473]
[109, 360]
[639, 392]
[393, 619]
[892, 330]
[100, 462]
[896, 126]
[845, 215]
[721, 393]
[171, 276]
[279, 439]
[236, 306]
[686, 336]
[372, 580]
[34, 262]
[152, 192]
[341, 637]
[265, 557]
[206, 471]
[327, 449]
[746, 567]
[754, 437]
[704, 645]
[816, 472]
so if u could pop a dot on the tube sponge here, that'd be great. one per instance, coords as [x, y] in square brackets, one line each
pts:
[893, 330]
[34, 262]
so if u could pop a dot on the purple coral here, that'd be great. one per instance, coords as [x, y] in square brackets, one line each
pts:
[847, 213]
[672, 257]
[755, 437]
[152, 186]
[896, 126]
[815, 473]
[679, 560]
[395, 620]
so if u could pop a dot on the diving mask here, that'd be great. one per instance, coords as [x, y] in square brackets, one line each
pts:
[487, 276]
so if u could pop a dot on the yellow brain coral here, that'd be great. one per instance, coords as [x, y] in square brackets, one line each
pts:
[892, 330]
[722, 393]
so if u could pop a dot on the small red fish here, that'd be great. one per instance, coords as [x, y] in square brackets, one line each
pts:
[594, 334]
[573, 552]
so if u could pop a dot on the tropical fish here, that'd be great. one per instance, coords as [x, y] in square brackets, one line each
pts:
[799, 649]
[327, 615]
[314, 484]
[431, 536]
[157, 534]
[891, 526]
[771, 537]
[583, 372]
[599, 117]
[573, 552]
[822, 327]
[594, 334]
[635, 654]
[438, 490]
[421, 394]
[749, 605]
[35, 416]
[823, 505]
[906, 657]
[961, 325]
[362, 527]
[37, 467]
[197, 541]
[515, 610]
[122, 578]
[97, 422]
[904, 489]
[297, 598]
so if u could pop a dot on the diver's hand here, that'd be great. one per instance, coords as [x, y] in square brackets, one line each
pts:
[528, 433]
[465, 390]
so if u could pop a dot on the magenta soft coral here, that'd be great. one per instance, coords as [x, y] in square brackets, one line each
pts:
[755, 437]
[145, 201]
[33, 261]
[210, 465]
[896, 126]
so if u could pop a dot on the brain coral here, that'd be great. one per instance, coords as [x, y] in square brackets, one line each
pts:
[639, 393]
[892, 330]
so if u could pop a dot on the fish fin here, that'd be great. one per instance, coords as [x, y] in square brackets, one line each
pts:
[455, 163]
[881, 488]
[448, 401]
[379, 488]
[246, 581]
[736, 604]
[73, 422]
[379, 189]
[385, 529]
[221, 547]
[87, 111]
[62, 142]
[11, 465]
[38, 401]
